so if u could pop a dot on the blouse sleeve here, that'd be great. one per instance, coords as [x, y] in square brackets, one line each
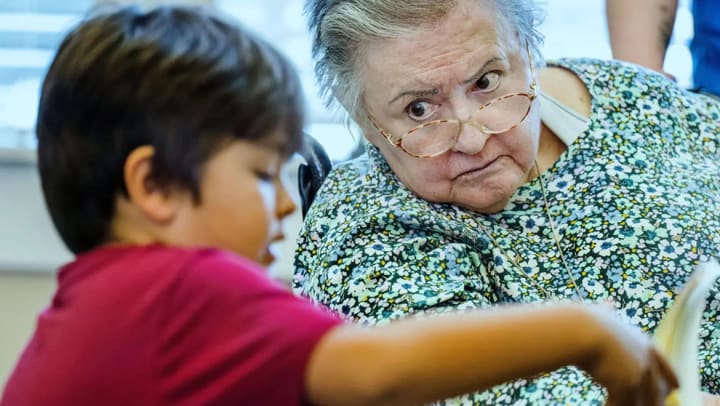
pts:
[381, 269]
[704, 121]
[709, 352]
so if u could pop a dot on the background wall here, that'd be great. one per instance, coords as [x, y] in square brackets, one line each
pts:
[22, 296]
[30, 250]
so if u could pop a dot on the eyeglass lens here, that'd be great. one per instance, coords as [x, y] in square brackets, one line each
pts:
[497, 117]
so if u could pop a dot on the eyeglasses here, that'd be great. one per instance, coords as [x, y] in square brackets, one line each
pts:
[439, 136]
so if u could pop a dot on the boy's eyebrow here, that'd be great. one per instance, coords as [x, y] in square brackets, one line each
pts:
[275, 145]
[434, 91]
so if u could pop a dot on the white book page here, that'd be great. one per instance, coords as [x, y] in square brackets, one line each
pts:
[677, 335]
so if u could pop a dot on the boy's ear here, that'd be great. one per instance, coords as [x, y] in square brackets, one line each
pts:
[156, 201]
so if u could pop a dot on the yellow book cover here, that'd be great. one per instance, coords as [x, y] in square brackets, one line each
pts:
[677, 335]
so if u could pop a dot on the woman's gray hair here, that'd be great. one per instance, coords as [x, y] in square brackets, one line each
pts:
[341, 27]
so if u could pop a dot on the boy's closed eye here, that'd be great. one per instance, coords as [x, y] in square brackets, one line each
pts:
[265, 175]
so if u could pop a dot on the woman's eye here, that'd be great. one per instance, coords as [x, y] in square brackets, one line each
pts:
[488, 82]
[419, 110]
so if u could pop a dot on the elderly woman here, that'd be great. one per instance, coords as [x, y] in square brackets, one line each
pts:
[488, 180]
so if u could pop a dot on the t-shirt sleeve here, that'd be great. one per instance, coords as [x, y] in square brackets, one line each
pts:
[232, 336]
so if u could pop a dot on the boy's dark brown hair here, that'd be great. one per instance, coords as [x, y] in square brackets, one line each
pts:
[180, 79]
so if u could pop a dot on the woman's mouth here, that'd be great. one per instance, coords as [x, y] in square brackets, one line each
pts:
[480, 170]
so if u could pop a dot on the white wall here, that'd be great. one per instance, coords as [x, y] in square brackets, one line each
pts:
[29, 252]
[28, 241]
[22, 296]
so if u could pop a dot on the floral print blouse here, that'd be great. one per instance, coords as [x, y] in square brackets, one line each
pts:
[635, 200]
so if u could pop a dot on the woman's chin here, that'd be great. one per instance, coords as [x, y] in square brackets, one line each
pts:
[491, 207]
[486, 199]
[487, 202]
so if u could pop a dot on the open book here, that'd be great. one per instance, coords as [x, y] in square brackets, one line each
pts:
[677, 335]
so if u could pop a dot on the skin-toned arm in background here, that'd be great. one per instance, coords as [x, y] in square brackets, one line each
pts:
[640, 30]
[416, 361]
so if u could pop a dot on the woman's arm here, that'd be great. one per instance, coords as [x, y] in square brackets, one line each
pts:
[371, 275]
[640, 30]
[421, 360]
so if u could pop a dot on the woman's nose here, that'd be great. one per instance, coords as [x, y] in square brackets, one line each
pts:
[471, 139]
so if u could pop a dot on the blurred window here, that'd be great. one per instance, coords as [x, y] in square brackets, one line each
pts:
[30, 31]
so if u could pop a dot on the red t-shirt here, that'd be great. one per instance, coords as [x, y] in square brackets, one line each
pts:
[167, 326]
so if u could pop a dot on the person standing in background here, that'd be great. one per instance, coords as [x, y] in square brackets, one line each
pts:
[640, 32]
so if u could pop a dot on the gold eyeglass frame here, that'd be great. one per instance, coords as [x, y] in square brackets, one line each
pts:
[532, 95]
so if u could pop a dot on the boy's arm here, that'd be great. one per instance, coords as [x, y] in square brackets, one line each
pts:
[416, 361]
[640, 30]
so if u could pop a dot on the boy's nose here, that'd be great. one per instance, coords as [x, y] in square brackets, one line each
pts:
[285, 203]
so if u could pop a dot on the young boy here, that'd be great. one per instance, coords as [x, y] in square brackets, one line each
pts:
[161, 135]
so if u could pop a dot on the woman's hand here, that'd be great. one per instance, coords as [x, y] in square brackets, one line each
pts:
[628, 364]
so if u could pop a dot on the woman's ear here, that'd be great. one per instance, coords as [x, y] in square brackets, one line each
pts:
[156, 201]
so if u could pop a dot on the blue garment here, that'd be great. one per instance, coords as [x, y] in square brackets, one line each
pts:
[705, 45]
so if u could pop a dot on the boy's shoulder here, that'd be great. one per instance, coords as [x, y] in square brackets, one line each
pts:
[164, 270]
[171, 307]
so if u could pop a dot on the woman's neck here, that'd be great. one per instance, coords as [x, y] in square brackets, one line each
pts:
[549, 150]
[567, 88]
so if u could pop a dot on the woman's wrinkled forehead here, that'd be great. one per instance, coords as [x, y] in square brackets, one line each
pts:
[463, 24]
[447, 51]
